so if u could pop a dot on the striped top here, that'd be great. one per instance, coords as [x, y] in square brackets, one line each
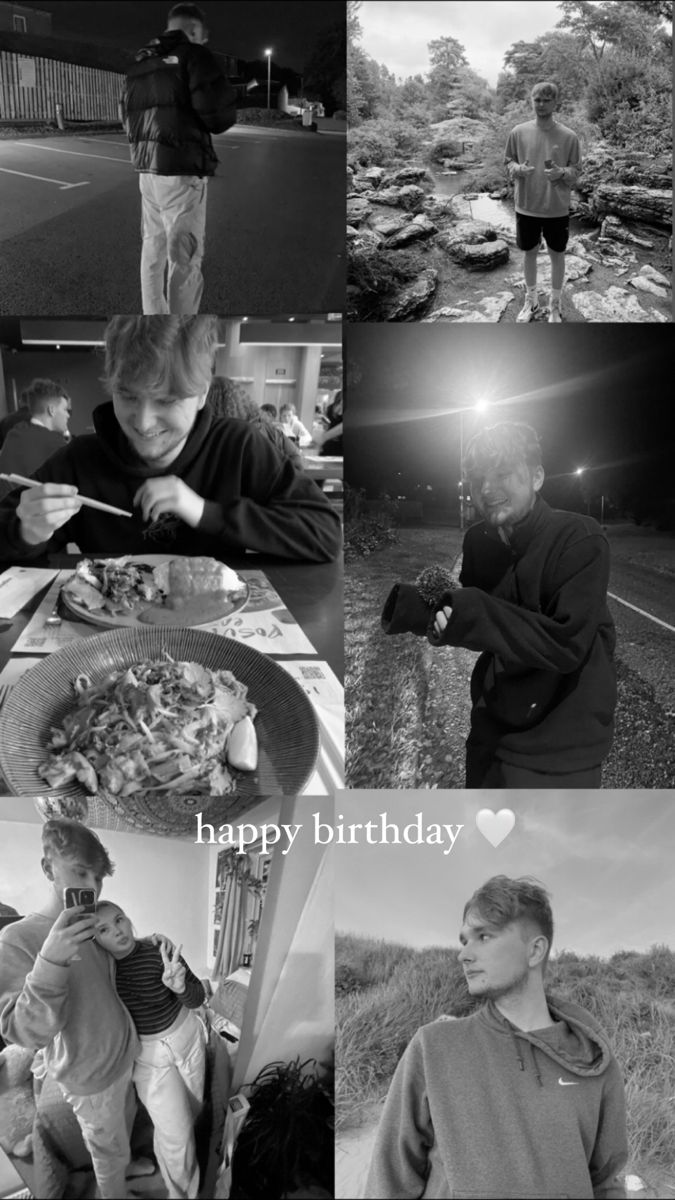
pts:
[138, 980]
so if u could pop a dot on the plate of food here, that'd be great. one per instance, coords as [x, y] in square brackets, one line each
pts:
[153, 589]
[152, 712]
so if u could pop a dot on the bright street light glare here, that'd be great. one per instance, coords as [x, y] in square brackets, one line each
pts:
[481, 405]
[579, 470]
[268, 52]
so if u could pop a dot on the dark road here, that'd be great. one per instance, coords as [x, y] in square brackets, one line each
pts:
[70, 233]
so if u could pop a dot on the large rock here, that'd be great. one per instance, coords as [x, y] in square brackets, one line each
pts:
[389, 224]
[613, 228]
[489, 310]
[484, 257]
[412, 298]
[641, 284]
[357, 210]
[410, 233]
[410, 198]
[409, 175]
[440, 206]
[474, 245]
[651, 205]
[374, 176]
[616, 306]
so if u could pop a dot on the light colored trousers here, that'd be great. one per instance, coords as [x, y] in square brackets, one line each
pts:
[173, 225]
[169, 1078]
[105, 1120]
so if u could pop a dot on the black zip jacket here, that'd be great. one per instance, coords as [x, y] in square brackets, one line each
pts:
[544, 687]
[175, 97]
[255, 499]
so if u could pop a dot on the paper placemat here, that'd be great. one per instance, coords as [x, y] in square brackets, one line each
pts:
[327, 696]
[264, 623]
[18, 585]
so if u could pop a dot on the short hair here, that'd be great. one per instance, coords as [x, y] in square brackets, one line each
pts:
[270, 410]
[67, 838]
[160, 356]
[286, 408]
[227, 398]
[186, 12]
[509, 443]
[502, 900]
[40, 393]
[547, 88]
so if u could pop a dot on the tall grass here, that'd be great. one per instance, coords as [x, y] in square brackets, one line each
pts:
[386, 991]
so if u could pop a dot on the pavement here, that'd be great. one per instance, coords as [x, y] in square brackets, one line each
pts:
[70, 232]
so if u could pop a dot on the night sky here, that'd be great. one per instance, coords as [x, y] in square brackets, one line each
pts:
[243, 28]
[598, 395]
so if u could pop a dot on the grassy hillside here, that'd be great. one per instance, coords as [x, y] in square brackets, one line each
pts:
[386, 991]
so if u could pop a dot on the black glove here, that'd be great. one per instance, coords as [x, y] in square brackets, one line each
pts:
[410, 607]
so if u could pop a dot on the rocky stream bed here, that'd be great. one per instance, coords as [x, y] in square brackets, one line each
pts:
[418, 252]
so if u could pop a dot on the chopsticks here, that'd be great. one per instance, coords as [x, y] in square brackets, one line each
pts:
[109, 508]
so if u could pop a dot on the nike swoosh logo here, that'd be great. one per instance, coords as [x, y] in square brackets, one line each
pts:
[567, 1083]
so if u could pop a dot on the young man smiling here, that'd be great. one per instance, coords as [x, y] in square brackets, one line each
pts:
[197, 485]
[533, 601]
[523, 1097]
[543, 159]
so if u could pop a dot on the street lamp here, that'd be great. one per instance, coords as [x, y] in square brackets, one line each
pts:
[268, 54]
[479, 407]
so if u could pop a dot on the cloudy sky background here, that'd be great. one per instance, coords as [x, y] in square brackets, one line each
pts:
[606, 857]
[396, 32]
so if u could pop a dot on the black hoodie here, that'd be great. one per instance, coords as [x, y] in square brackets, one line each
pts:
[255, 499]
[176, 95]
[544, 687]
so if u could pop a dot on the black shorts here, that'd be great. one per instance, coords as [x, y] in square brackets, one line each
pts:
[556, 231]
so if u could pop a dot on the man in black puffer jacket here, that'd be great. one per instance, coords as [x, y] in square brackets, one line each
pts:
[176, 95]
[533, 602]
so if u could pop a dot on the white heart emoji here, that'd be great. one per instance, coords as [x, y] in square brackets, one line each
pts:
[495, 826]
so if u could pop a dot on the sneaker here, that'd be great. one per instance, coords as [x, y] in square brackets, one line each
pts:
[554, 315]
[529, 310]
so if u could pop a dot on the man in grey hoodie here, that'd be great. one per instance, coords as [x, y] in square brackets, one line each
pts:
[524, 1097]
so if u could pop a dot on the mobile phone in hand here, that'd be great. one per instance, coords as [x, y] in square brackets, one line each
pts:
[548, 163]
[84, 896]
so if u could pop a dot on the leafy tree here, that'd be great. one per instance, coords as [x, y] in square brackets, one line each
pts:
[614, 22]
[325, 69]
[446, 55]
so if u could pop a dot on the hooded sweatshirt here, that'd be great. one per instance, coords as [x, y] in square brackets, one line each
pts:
[255, 499]
[544, 687]
[176, 95]
[73, 1012]
[480, 1108]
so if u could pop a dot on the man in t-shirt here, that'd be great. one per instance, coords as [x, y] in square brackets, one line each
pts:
[543, 160]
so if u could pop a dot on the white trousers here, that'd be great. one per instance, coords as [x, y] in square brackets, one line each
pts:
[173, 226]
[104, 1119]
[169, 1078]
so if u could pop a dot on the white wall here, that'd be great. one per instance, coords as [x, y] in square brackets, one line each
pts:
[162, 883]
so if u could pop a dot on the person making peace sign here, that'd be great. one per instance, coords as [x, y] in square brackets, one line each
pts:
[159, 989]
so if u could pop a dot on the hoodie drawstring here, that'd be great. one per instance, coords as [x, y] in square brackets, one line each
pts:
[519, 1055]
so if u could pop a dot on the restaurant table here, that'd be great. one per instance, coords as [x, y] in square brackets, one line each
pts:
[319, 466]
[312, 592]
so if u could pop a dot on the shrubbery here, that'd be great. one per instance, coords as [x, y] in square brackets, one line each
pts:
[366, 531]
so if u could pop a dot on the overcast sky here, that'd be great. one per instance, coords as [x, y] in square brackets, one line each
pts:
[396, 32]
[606, 857]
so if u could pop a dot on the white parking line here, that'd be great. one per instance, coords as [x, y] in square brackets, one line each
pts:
[63, 186]
[77, 153]
[642, 612]
[103, 141]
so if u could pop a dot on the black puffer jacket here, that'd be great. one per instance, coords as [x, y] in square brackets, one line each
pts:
[175, 97]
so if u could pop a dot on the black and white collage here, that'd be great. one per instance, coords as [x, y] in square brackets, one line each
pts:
[337, 600]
